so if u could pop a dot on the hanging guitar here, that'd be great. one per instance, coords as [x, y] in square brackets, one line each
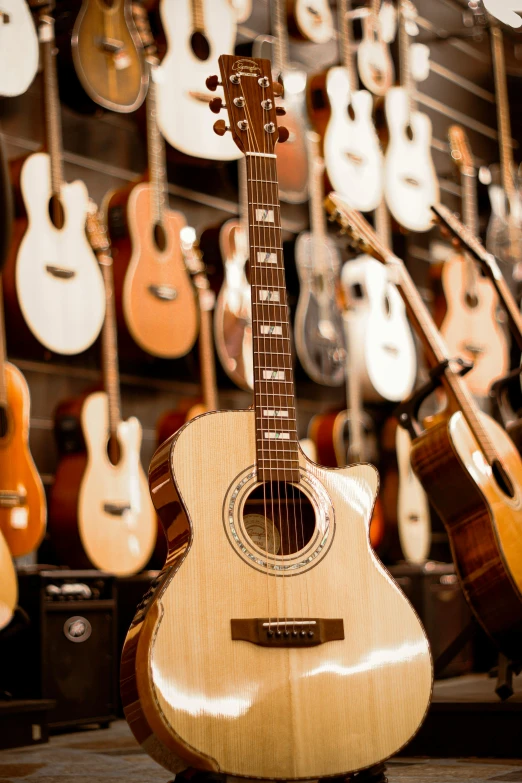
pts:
[374, 60]
[8, 585]
[310, 20]
[18, 47]
[224, 486]
[467, 464]
[100, 510]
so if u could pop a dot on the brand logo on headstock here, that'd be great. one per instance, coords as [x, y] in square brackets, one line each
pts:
[246, 67]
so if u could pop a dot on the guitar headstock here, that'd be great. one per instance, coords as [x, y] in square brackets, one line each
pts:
[409, 15]
[250, 102]
[465, 237]
[96, 232]
[352, 223]
[460, 149]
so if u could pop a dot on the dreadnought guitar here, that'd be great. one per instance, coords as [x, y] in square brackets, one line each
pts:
[269, 561]
[467, 464]
[23, 510]
[470, 327]
[58, 281]
[100, 509]
[310, 20]
[374, 60]
[153, 288]
[18, 47]
[352, 152]
[410, 180]
[196, 30]
[318, 328]
[108, 55]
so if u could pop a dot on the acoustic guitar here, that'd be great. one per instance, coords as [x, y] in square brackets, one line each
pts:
[108, 55]
[318, 328]
[310, 20]
[467, 464]
[58, 281]
[242, 9]
[23, 509]
[8, 585]
[18, 47]
[153, 289]
[470, 327]
[100, 510]
[374, 60]
[269, 560]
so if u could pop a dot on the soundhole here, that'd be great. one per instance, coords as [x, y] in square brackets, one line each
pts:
[200, 45]
[387, 306]
[160, 238]
[4, 421]
[113, 450]
[278, 518]
[471, 300]
[409, 132]
[351, 112]
[502, 479]
[56, 212]
[357, 291]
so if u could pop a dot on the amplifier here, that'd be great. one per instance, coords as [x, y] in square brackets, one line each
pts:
[434, 591]
[67, 651]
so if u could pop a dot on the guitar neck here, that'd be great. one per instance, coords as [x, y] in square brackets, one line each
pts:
[346, 41]
[274, 400]
[3, 352]
[315, 178]
[52, 103]
[156, 153]
[383, 224]
[243, 197]
[469, 200]
[206, 346]
[198, 16]
[407, 81]
[353, 390]
[504, 123]
[110, 346]
[280, 33]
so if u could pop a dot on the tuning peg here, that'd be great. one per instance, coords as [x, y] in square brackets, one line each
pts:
[278, 89]
[212, 83]
[283, 134]
[220, 127]
[280, 111]
[216, 104]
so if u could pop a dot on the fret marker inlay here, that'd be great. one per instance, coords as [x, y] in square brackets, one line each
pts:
[268, 296]
[273, 375]
[266, 258]
[274, 413]
[277, 435]
[265, 215]
[270, 329]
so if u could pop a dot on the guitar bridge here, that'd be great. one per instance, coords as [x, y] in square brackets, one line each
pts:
[116, 509]
[476, 350]
[164, 292]
[289, 632]
[110, 45]
[11, 499]
[60, 271]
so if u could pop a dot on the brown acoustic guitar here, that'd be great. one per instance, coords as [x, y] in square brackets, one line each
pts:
[8, 585]
[154, 294]
[467, 464]
[108, 55]
[23, 510]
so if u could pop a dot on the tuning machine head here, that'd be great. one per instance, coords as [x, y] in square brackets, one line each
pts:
[216, 104]
[213, 83]
[220, 127]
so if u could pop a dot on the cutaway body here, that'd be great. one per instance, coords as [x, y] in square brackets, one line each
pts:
[18, 47]
[23, 511]
[58, 280]
[195, 697]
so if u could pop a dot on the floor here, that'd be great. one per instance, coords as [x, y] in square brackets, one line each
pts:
[112, 756]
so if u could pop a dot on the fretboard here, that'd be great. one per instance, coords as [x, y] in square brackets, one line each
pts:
[346, 41]
[470, 215]
[277, 448]
[156, 152]
[405, 58]
[198, 16]
[52, 103]
[110, 345]
[315, 178]
[243, 197]
[280, 33]
[504, 123]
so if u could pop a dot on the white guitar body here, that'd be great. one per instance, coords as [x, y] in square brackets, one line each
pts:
[410, 180]
[314, 20]
[8, 585]
[386, 359]
[242, 9]
[18, 47]
[120, 543]
[182, 98]
[413, 514]
[58, 280]
[352, 152]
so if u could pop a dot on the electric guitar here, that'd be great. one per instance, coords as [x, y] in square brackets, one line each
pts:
[470, 327]
[374, 60]
[58, 281]
[23, 509]
[318, 328]
[18, 47]
[233, 310]
[8, 585]
[504, 235]
[196, 30]
[100, 510]
[310, 20]
[410, 180]
[268, 550]
[352, 151]
[467, 464]
[108, 55]
[152, 285]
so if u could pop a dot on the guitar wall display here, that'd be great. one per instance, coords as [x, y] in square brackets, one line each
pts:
[236, 469]
[373, 55]
[310, 20]
[18, 47]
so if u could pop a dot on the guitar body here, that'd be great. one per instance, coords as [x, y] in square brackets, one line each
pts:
[8, 585]
[386, 358]
[233, 309]
[352, 153]
[374, 61]
[318, 328]
[107, 506]
[58, 280]
[242, 9]
[22, 499]
[19, 49]
[177, 689]
[482, 522]
[310, 20]
[292, 165]
[410, 180]
[473, 332]
[504, 234]
[413, 514]
[113, 75]
[158, 298]
[182, 100]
